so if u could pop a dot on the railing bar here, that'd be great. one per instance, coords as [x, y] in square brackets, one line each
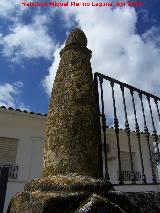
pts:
[128, 86]
[104, 130]
[147, 134]
[99, 125]
[127, 130]
[3, 186]
[153, 125]
[16, 172]
[156, 102]
[138, 137]
[116, 125]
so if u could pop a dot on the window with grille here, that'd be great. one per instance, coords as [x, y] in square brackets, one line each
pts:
[126, 166]
[125, 161]
[8, 152]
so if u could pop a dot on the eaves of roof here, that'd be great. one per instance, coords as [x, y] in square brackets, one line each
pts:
[22, 111]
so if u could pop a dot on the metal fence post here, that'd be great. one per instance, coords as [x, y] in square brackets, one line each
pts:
[3, 186]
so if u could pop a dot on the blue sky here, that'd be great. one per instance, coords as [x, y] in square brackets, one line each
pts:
[30, 40]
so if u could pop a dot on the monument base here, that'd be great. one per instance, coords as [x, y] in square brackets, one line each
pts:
[80, 194]
[63, 193]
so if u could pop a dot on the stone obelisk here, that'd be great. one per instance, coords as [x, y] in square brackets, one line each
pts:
[71, 162]
[71, 144]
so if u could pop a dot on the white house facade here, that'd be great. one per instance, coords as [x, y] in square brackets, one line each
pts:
[21, 146]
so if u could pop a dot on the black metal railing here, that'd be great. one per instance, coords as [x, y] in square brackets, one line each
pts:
[140, 115]
[12, 172]
[127, 175]
[6, 171]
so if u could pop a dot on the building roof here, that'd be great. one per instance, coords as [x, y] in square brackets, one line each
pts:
[23, 111]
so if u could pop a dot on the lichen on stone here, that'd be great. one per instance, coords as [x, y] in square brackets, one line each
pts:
[71, 134]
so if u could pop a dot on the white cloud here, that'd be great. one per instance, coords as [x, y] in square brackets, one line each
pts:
[8, 9]
[118, 51]
[47, 82]
[9, 94]
[28, 41]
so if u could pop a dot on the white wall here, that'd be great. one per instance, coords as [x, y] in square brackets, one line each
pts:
[29, 129]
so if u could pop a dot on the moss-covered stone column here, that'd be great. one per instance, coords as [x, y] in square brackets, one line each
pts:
[71, 144]
[71, 164]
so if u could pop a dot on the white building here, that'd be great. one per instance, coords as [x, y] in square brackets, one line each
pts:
[22, 142]
[21, 145]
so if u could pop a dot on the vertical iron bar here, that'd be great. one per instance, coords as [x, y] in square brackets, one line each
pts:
[104, 130]
[3, 186]
[99, 126]
[147, 134]
[116, 125]
[154, 129]
[156, 102]
[138, 137]
[127, 130]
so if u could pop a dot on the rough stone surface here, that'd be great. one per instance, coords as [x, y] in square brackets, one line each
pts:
[71, 144]
[78, 194]
[145, 201]
[72, 182]
[59, 194]
[77, 36]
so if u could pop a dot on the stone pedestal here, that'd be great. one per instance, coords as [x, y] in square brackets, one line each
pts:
[80, 194]
[61, 194]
